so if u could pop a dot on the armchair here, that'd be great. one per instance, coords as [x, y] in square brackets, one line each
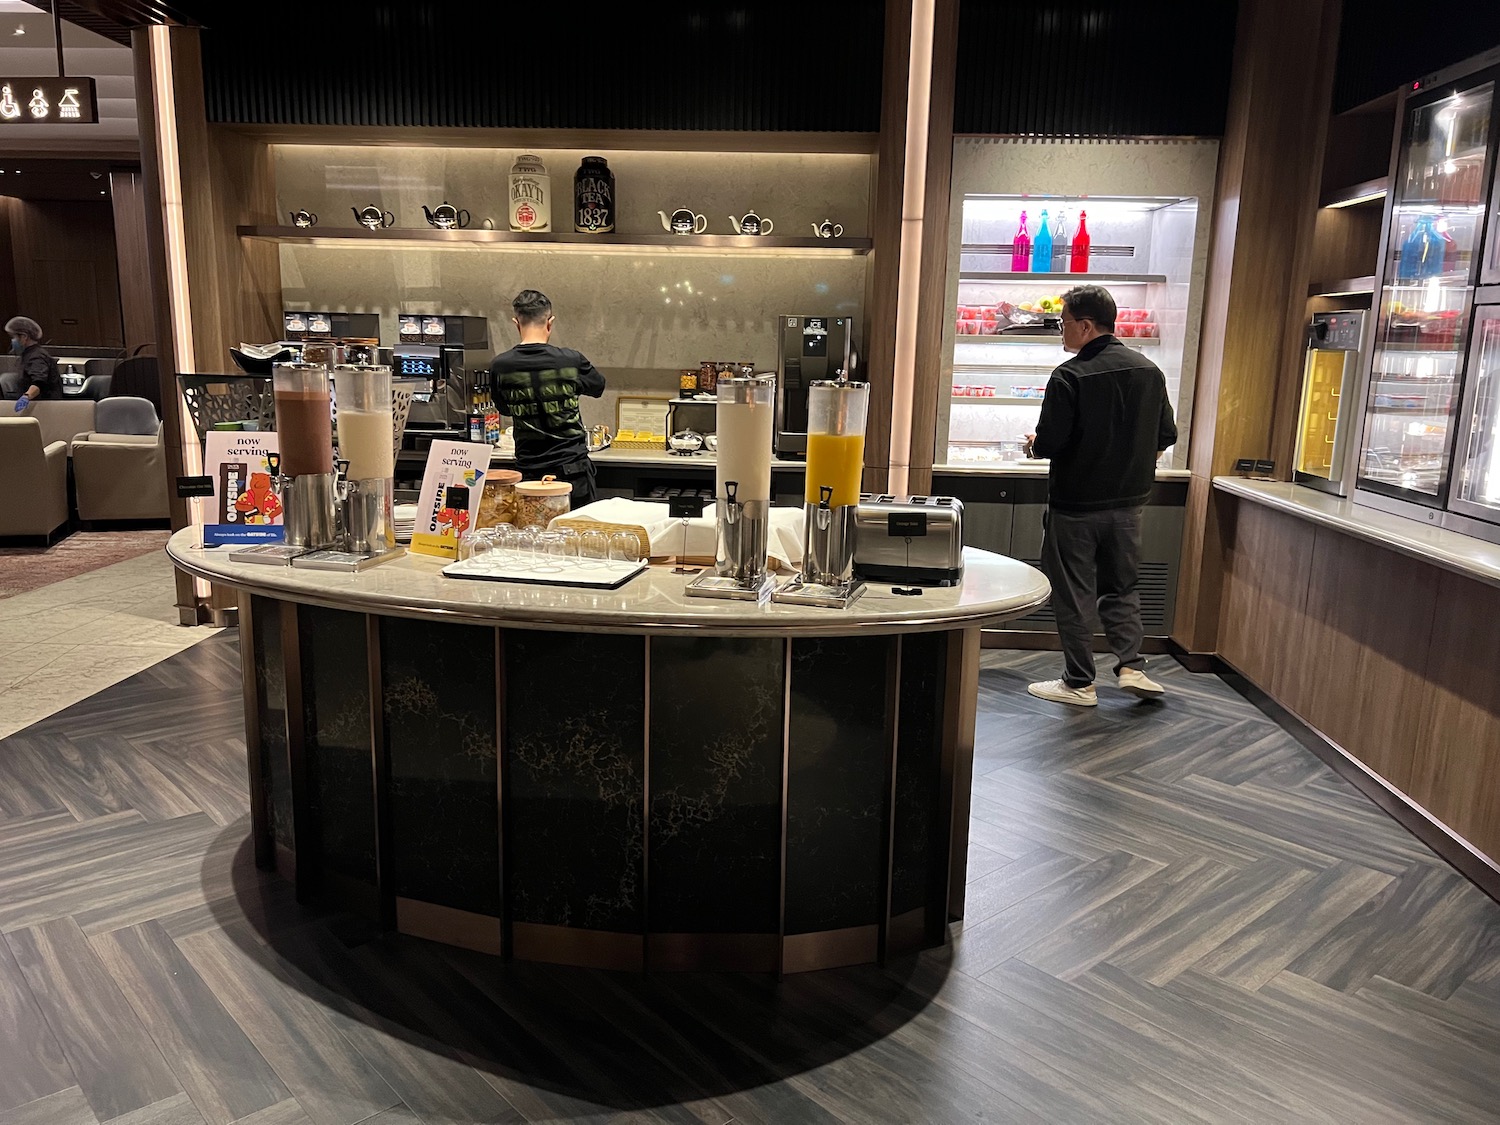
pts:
[36, 480]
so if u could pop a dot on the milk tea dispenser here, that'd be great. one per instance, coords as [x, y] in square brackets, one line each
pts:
[366, 435]
[304, 425]
[742, 490]
[836, 411]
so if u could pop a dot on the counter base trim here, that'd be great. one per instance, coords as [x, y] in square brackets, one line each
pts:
[1458, 853]
[718, 953]
[448, 925]
[830, 949]
[569, 945]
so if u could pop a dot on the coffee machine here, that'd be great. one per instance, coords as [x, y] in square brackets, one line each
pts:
[836, 415]
[809, 348]
[742, 491]
[445, 354]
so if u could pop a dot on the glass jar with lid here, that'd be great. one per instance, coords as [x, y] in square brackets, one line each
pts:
[498, 503]
[539, 502]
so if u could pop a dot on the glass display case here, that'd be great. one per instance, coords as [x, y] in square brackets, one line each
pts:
[1477, 478]
[1007, 334]
[1433, 241]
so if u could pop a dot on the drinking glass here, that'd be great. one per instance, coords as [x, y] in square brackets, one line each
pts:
[550, 552]
[523, 549]
[593, 549]
[624, 547]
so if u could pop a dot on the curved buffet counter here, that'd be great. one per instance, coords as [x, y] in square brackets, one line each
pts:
[626, 779]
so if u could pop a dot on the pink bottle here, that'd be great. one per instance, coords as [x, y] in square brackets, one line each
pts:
[1020, 251]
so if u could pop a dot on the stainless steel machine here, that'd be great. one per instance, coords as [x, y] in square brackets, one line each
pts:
[809, 349]
[440, 408]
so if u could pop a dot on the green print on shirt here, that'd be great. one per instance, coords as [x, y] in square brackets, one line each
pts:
[558, 390]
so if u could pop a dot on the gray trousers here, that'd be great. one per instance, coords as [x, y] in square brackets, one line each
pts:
[1092, 560]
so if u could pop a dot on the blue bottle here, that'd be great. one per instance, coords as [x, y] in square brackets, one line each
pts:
[1041, 247]
[1421, 253]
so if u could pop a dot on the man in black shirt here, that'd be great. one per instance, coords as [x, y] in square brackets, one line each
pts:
[538, 385]
[39, 377]
[1105, 419]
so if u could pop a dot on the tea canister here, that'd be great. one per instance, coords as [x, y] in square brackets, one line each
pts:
[539, 502]
[498, 504]
[594, 197]
[530, 195]
[708, 376]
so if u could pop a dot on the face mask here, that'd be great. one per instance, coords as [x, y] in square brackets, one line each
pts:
[16, 347]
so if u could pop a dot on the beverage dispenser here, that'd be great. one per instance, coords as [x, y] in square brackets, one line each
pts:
[836, 411]
[811, 348]
[366, 435]
[742, 490]
[304, 425]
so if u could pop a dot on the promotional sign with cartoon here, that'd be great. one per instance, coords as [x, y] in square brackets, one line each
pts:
[452, 486]
[246, 504]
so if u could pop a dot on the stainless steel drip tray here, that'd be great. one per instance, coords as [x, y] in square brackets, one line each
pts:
[711, 585]
[799, 591]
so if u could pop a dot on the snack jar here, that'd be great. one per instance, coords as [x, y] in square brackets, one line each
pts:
[539, 502]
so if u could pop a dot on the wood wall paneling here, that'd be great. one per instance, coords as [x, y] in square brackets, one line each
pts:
[1262, 627]
[8, 299]
[133, 258]
[1368, 622]
[1270, 160]
[1456, 776]
[66, 278]
[1345, 243]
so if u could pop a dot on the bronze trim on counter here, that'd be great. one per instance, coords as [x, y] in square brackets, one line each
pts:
[449, 925]
[304, 834]
[893, 742]
[261, 837]
[380, 775]
[830, 949]
[786, 766]
[726, 953]
[569, 945]
[646, 802]
[956, 778]
[502, 782]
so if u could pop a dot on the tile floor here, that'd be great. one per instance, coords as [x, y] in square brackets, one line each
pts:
[64, 642]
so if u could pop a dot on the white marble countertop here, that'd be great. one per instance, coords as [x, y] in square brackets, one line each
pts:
[994, 589]
[1473, 558]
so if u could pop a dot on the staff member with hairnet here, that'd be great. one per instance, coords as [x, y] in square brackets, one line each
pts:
[39, 377]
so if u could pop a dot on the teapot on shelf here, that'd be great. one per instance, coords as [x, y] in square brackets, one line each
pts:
[445, 216]
[373, 217]
[684, 220]
[751, 224]
[828, 229]
[303, 219]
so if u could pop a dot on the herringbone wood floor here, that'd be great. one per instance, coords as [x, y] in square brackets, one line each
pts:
[1175, 914]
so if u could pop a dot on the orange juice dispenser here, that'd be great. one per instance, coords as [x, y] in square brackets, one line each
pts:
[1328, 388]
[836, 412]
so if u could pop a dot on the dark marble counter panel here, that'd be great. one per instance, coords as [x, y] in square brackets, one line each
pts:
[575, 782]
[836, 783]
[270, 706]
[336, 722]
[918, 769]
[716, 746]
[438, 689]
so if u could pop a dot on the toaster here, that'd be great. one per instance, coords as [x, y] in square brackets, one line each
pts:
[914, 540]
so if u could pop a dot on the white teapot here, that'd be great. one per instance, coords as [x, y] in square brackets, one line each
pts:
[828, 229]
[751, 224]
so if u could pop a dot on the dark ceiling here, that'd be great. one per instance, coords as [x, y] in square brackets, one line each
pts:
[113, 19]
[58, 179]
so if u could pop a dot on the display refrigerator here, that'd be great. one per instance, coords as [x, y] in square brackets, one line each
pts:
[1417, 457]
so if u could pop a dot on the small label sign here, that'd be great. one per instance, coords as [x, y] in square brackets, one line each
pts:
[1245, 465]
[189, 487]
[1267, 467]
[48, 101]
[906, 525]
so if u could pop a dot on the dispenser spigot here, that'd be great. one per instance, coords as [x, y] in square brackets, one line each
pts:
[731, 493]
[825, 511]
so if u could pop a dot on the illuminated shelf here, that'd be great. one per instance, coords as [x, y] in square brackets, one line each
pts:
[1354, 195]
[434, 239]
[1055, 278]
[1343, 287]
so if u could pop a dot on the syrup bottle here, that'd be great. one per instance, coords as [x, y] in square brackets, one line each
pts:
[1079, 259]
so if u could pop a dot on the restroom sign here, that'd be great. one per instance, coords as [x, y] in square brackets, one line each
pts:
[47, 101]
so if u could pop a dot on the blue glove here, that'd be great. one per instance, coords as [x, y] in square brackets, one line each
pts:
[22, 403]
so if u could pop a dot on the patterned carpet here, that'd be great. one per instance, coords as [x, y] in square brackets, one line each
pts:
[29, 568]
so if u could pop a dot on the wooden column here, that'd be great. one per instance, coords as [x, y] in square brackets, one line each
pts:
[208, 290]
[1258, 267]
[906, 280]
[133, 257]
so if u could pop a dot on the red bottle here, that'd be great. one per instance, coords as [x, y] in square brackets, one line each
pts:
[1079, 259]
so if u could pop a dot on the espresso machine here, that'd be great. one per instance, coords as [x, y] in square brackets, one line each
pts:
[367, 460]
[304, 427]
[445, 353]
[809, 349]
[742, 491]
[836, 412]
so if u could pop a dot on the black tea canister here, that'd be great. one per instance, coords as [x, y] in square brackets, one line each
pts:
[594, 197]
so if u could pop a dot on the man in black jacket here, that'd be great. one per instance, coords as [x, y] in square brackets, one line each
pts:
[1105, 419]
[39, 377]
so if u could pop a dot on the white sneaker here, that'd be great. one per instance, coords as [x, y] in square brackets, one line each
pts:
[1059, 692]
[1139, 684]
